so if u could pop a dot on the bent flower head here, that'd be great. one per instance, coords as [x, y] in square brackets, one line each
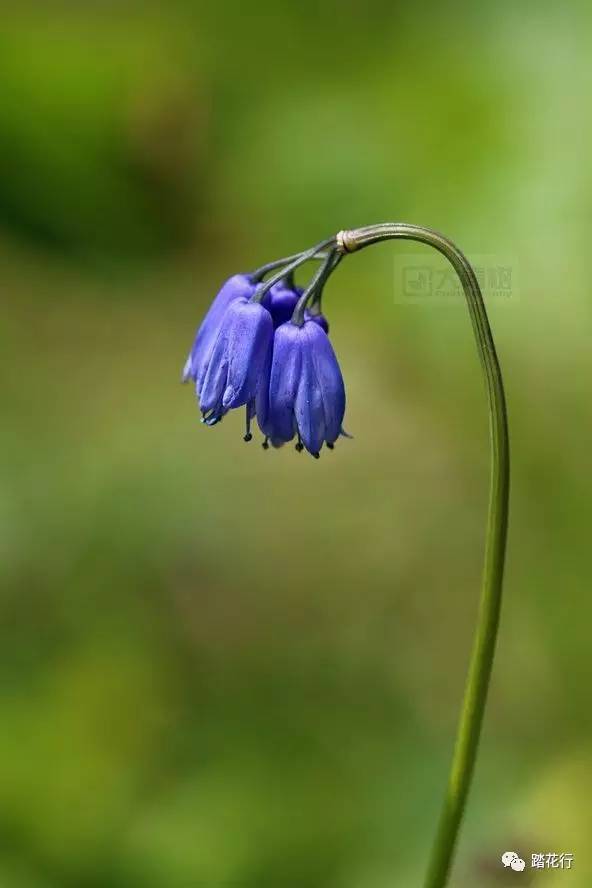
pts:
[264, 346]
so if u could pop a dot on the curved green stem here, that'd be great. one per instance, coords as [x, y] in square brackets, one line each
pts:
[477, 683]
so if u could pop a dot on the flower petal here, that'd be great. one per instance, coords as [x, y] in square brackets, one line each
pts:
[283, 383]
[281, 302]
[214, 383]
[250, 334]
[329, 380]
[309, 407]
[237, 287]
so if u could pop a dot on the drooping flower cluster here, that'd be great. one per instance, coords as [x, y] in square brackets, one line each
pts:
[264, 346]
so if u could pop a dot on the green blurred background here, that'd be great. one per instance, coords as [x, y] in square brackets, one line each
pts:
[225, 667]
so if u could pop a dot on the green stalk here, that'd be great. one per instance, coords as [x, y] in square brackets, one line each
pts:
[481, 663]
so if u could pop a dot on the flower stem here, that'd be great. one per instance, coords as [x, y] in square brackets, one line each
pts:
[479, 673]
[316, 285]
[300, 259]
[260, 273]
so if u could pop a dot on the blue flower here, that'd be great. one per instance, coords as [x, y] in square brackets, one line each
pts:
[306, 394]
[263, 345]
[281, 302]
[237, 287]
[239, 360]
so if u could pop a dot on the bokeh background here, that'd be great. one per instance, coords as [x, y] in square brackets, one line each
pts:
[225, 667]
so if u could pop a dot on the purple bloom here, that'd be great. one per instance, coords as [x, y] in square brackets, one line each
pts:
[239, 360]
[266, 348]
[306, 395]
[237, 287]
[281, 302]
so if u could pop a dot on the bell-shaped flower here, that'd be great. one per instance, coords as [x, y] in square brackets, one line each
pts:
[239, 286]
[306, 393]
[239, 360]
[281, 301]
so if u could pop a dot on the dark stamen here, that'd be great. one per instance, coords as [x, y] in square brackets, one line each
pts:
[265, 444]
[316, 455]
[330, 446]
[248, 436]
